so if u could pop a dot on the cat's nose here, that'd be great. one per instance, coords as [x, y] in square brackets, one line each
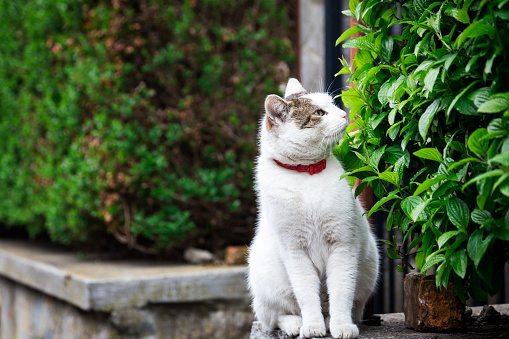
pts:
[342, 114]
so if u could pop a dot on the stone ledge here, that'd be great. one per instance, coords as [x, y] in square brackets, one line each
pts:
[107, 284]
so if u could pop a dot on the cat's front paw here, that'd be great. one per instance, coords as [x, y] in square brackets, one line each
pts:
[314, 328]
[344, 330]
[290, 324]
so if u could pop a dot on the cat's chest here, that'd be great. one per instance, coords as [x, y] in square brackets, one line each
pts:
[314, 198]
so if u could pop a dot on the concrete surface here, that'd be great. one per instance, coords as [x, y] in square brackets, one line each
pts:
[106, 285]
[393, 327]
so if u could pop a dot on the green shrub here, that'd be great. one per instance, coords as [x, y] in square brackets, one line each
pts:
[135, 119]
[431, 109]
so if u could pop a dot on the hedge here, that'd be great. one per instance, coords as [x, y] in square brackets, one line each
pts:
[136, 119]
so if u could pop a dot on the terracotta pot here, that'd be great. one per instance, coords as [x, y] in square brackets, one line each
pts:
[428, 309]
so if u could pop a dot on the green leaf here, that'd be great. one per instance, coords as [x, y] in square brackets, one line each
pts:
[462, 162]
[417, 211]
[392, 253]
[446, 188]
[351, 181]
[448, 62]
[430, 154]
[442, 274]
[445, 237]
[479, 95]
[360, 156]
[502, 158]
[489, 64]
[477, 28]
[383, 92]
[348, 13]
[479, 217]
[459, 263]
[427, 184]
[394, 153]
[377, 119]
[363, 43]
[387, 242]
[400, 165]
[352, 4]
[504, 188]
[500, 180]
[389, 176]
[490, 174]
[436, 259]
[458, 213]
[475, 290]
[392, 116]
[457, 97]
[351, 99]
[392, 218]
[476, 144]
[497, 126]
[351, 162]
[459, 288]
[409, 204]
[374, 158]
[459, 14]
[484, 188]
[366, 168]
[431, 77]
[416, 175]
[381, 202]
[494, 105]
[476, 246]
[427, 118]
[393, 131]
[360, 188]
[415, 242]
[348, 33]
[387, 46]
[344, 70]
[502, 230]
[364, 57]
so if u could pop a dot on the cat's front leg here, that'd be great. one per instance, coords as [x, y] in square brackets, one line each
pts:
[306, 287]
[341, 282]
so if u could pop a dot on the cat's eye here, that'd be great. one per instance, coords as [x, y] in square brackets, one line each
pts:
[320, 113]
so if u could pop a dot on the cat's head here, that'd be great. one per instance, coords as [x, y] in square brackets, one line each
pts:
[303, 126]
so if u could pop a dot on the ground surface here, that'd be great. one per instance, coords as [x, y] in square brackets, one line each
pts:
[393, 326]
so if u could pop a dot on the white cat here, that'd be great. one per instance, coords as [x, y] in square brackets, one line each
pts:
[313, 253]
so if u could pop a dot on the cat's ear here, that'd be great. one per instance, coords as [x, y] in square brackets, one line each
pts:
[294, 87]
[277, 110]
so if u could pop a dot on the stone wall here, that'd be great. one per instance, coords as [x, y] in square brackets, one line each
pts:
[27, 313]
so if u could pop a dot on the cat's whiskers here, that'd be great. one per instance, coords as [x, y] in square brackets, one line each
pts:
[327, 140]
[323, 144]
[328, 87]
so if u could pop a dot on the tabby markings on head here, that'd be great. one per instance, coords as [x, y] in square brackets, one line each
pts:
[302, 110]
[296, 95]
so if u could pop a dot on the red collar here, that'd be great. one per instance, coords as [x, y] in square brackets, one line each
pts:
[312, 169]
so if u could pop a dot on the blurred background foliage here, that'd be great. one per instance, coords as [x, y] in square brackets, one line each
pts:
[136, 120]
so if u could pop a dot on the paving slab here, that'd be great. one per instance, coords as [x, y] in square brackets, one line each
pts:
[104, 285]
[393, 327]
